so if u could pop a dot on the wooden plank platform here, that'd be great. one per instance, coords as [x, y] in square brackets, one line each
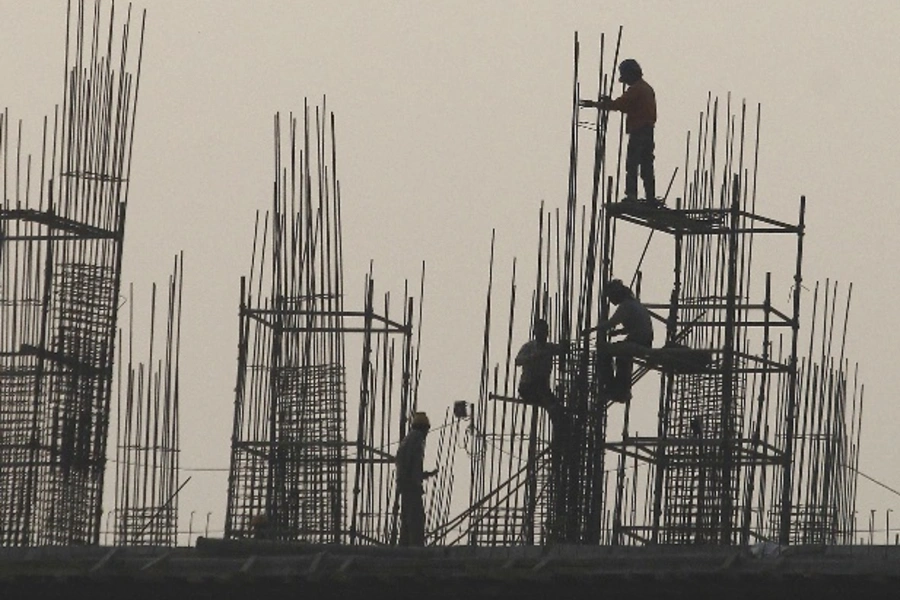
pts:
[680, 359]
[661, 217]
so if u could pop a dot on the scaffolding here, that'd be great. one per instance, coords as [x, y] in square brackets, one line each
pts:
[62, 222]
[716, 426]
[295, 472]
[752, 442]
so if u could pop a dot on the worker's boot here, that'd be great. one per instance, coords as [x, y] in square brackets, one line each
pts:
[650, 191]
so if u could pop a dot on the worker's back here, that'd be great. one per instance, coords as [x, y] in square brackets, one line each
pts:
[536, 359]
[636, 321]
[639, 105]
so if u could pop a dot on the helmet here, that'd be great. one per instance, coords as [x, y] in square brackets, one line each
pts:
[629, 69]
[420, 421]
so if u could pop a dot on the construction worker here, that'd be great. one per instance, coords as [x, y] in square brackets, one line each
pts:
[631, 319]
[638, 103]
[536, 359]
[410, 476]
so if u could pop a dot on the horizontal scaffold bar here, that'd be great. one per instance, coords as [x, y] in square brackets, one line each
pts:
[695, 221]
[269, 316]
[747, 451]
[66, 361]
[52, 221]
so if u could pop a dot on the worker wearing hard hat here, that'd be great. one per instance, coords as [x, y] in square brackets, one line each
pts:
[410, 476]
[638, 103]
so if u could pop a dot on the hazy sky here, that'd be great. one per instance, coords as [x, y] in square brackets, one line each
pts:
[453, 119]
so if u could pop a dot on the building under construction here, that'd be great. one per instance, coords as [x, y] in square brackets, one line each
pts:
[62, 224]
[146, 422]
[752, 442]
[752, 406]
[295, 471]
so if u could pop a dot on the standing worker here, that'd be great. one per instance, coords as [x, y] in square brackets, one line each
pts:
[410, 476]
[634, 322]
[536, 359]
[638, 103]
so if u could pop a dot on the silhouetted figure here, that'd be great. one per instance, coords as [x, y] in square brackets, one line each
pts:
[410, 476]
[638, 103]
[632, 320]
[536, 359]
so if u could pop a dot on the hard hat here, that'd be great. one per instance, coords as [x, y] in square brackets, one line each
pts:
[420, 421]
[629, 65]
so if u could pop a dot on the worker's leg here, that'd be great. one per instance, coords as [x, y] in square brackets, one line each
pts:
[416, 521]
[404, 520]
[632, 160]
[604, 370]
[539, 395]
[606, 375]
[624, 369]
[645, 149]
[551, 404]
[535, 394]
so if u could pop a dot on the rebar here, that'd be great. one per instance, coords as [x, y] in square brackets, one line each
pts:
[147, 409]
[61, 238]
[726, 463]
[295, 472]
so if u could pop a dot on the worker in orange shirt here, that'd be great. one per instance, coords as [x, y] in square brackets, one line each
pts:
[638, 104]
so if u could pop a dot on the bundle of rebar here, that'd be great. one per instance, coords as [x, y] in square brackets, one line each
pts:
[62, 225]
[826, 464]
[295, 472]
[147, 408]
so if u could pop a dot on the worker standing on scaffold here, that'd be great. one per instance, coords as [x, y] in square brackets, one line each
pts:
[410, 477]
[638, 103]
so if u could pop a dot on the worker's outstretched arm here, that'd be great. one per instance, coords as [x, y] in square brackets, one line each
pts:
[603, 103]
[624, 103]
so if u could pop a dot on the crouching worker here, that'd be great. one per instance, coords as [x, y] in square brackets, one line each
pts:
[536, 359]
[631, 319]
[410, 476]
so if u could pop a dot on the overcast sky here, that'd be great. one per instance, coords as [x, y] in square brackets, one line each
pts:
[453, 120]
